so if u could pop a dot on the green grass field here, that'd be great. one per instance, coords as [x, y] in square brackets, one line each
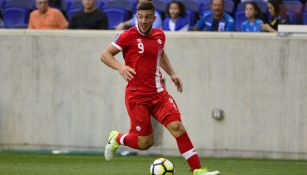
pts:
[47, 164]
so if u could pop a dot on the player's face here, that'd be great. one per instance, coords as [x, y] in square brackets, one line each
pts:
[145, 19]
[174, 10]
[217, 7]
[250, 11]
[42, 5]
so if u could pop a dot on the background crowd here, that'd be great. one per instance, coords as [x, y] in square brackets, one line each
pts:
[171, 15]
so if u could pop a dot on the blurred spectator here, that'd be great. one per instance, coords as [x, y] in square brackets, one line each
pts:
[176, 17]
[89, 18]
[46, 17]
[278, 16]
[132, 22]
[216, 19]
[1, 19]
[254, 18]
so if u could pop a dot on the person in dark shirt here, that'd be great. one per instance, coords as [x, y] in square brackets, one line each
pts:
[278, 16]
[89, 18]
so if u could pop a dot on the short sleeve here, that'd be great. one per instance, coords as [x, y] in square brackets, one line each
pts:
[121, 41]
[201, 23]
[231, 25]
[62, 22]
[31, 25]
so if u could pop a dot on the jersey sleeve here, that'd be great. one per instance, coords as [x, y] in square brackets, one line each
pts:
[121, 41]
[201, 23]
[230, 25]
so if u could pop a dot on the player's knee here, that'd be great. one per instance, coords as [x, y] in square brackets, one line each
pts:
[176, 128]
[145, 144]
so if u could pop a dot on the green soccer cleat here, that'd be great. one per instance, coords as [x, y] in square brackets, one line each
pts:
[111, 146]
[203, 171]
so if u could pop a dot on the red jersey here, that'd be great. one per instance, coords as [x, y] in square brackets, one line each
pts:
[142, 53]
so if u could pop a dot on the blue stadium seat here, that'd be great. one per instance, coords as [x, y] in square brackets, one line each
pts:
[15, 17]
[100, 3]
[294, 8]
[1, 4]
[192, 18]
[115, 16]
[305, 16]
[65, 4]
[292, 17]
[229, 6]
[239, 18]
[192, 5]
[119, 4]
[206, 6]
[26, 4]
[74, 7]
[160, 6]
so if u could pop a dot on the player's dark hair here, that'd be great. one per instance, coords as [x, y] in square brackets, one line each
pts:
[259, 13]
[146, 6]
[181, 6]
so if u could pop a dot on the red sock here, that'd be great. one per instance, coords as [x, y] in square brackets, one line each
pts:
[188, 151]
[129, 140]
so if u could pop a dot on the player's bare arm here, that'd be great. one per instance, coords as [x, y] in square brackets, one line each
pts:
[107, 57]
[167, 67]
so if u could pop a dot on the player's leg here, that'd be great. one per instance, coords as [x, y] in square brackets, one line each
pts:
[140, 133]
[131, 140]
[185, 146]
[167, 113]
[136, 142]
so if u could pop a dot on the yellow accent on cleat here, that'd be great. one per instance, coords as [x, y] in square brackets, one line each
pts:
[204, 171]
[112, 145]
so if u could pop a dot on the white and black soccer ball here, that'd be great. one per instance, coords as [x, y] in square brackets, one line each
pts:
[162, 166]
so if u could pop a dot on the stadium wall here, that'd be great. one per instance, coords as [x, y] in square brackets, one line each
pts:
[56, 94]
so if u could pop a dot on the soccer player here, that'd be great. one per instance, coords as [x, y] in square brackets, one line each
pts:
[143, 51]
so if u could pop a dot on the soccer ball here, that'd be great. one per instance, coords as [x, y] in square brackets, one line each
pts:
[162, 166]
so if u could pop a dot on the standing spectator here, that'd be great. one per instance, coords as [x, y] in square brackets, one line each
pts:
[176, 17]
[132, 22]
[217, 19]
[278, 16]
[46, 17]
[254, 18]
[89, 18]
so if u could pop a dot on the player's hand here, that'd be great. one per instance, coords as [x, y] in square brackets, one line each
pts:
[178, 82]
[127, 72]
